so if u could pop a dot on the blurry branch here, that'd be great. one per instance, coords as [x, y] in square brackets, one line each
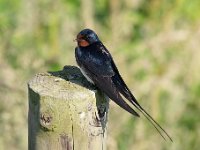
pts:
[115, 17]
[87, 13]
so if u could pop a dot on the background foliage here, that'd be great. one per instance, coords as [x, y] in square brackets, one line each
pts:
[155, 43]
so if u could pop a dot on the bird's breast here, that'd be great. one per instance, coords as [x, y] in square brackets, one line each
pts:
[80, 56]
[85, 75]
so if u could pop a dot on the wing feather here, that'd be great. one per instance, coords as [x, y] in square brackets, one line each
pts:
[100, 67]
[107, 86]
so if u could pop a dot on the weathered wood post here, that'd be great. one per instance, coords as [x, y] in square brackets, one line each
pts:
[66, 112]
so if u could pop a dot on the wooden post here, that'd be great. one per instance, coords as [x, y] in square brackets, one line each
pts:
[66, 112]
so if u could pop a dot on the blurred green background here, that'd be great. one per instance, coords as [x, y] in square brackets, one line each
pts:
[155, 43]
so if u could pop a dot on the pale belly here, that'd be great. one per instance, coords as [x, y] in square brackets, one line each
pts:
[85, 75]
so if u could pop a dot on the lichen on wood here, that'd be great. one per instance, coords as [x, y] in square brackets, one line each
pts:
[66, 112]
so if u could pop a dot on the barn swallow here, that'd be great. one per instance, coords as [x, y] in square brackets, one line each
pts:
[97, 65]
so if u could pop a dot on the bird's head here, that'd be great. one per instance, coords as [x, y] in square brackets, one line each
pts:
[86, 37]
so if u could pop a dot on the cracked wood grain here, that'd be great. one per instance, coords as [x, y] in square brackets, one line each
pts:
[66, 112]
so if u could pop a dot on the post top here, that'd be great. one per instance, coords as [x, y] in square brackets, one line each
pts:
[56, 84]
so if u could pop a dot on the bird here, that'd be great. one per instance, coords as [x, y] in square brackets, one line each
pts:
[98, 67]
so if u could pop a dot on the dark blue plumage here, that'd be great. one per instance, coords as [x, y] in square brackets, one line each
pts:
[97, 65]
